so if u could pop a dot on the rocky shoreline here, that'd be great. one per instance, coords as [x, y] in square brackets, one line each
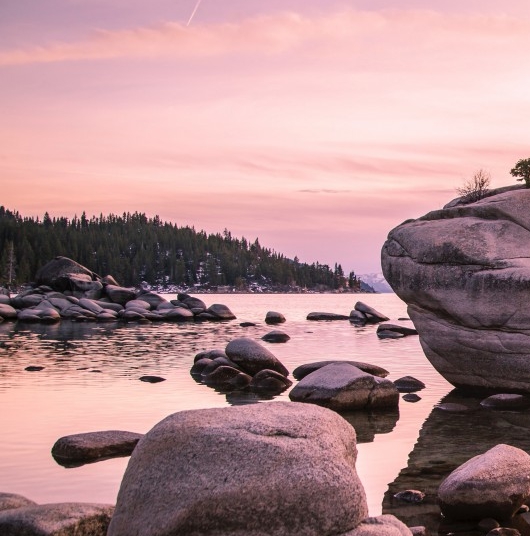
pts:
[275, 469]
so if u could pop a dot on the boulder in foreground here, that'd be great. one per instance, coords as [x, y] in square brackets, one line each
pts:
[278, 468]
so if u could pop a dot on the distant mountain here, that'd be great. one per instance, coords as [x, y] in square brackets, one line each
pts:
[376, 281]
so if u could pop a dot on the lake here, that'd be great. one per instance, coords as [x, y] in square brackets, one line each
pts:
[90, 382]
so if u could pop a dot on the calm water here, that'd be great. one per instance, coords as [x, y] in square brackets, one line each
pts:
[90, 382]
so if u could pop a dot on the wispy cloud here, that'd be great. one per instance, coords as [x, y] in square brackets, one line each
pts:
[415, 32]
[323, 191]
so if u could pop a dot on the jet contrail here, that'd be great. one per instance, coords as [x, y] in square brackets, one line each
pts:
[194, 11]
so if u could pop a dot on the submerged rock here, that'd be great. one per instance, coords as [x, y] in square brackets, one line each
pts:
[464, 272]
[266, 467]
[152, 379]
[326, 316]
[275, 336]
[273, 317]
[394, 328]
[408, 384]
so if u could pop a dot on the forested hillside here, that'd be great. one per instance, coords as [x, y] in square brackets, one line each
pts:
[134, 248]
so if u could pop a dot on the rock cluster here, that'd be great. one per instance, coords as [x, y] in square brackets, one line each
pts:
[243, 365]
[464, 272]
[65, 289]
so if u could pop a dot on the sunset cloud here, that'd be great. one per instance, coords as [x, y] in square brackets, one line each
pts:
[352, 33]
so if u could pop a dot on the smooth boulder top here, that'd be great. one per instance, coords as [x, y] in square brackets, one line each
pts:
[494, 484]
[252, 357]
[68, 519]
[303, 370]
[278, 468]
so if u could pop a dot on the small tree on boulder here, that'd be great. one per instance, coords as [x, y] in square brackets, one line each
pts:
[522, 170]
[475, 188]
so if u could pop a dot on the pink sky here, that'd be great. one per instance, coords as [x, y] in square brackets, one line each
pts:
[314, 125]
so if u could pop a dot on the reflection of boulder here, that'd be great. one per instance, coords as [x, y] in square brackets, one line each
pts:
[446, 441]
[464, 272]
[369, 423]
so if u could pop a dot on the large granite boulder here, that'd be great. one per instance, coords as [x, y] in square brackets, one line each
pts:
[464, 272]
[278, 468]
[494, 484]
[57, 272]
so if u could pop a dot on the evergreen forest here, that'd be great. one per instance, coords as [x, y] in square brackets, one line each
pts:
[134, 248]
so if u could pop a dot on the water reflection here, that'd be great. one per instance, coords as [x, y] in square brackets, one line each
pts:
[369, 423]
[447, 440]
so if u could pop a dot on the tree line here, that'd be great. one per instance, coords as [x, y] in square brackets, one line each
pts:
[134, 248]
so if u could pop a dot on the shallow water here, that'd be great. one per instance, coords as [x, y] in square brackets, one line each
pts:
[90, 382]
